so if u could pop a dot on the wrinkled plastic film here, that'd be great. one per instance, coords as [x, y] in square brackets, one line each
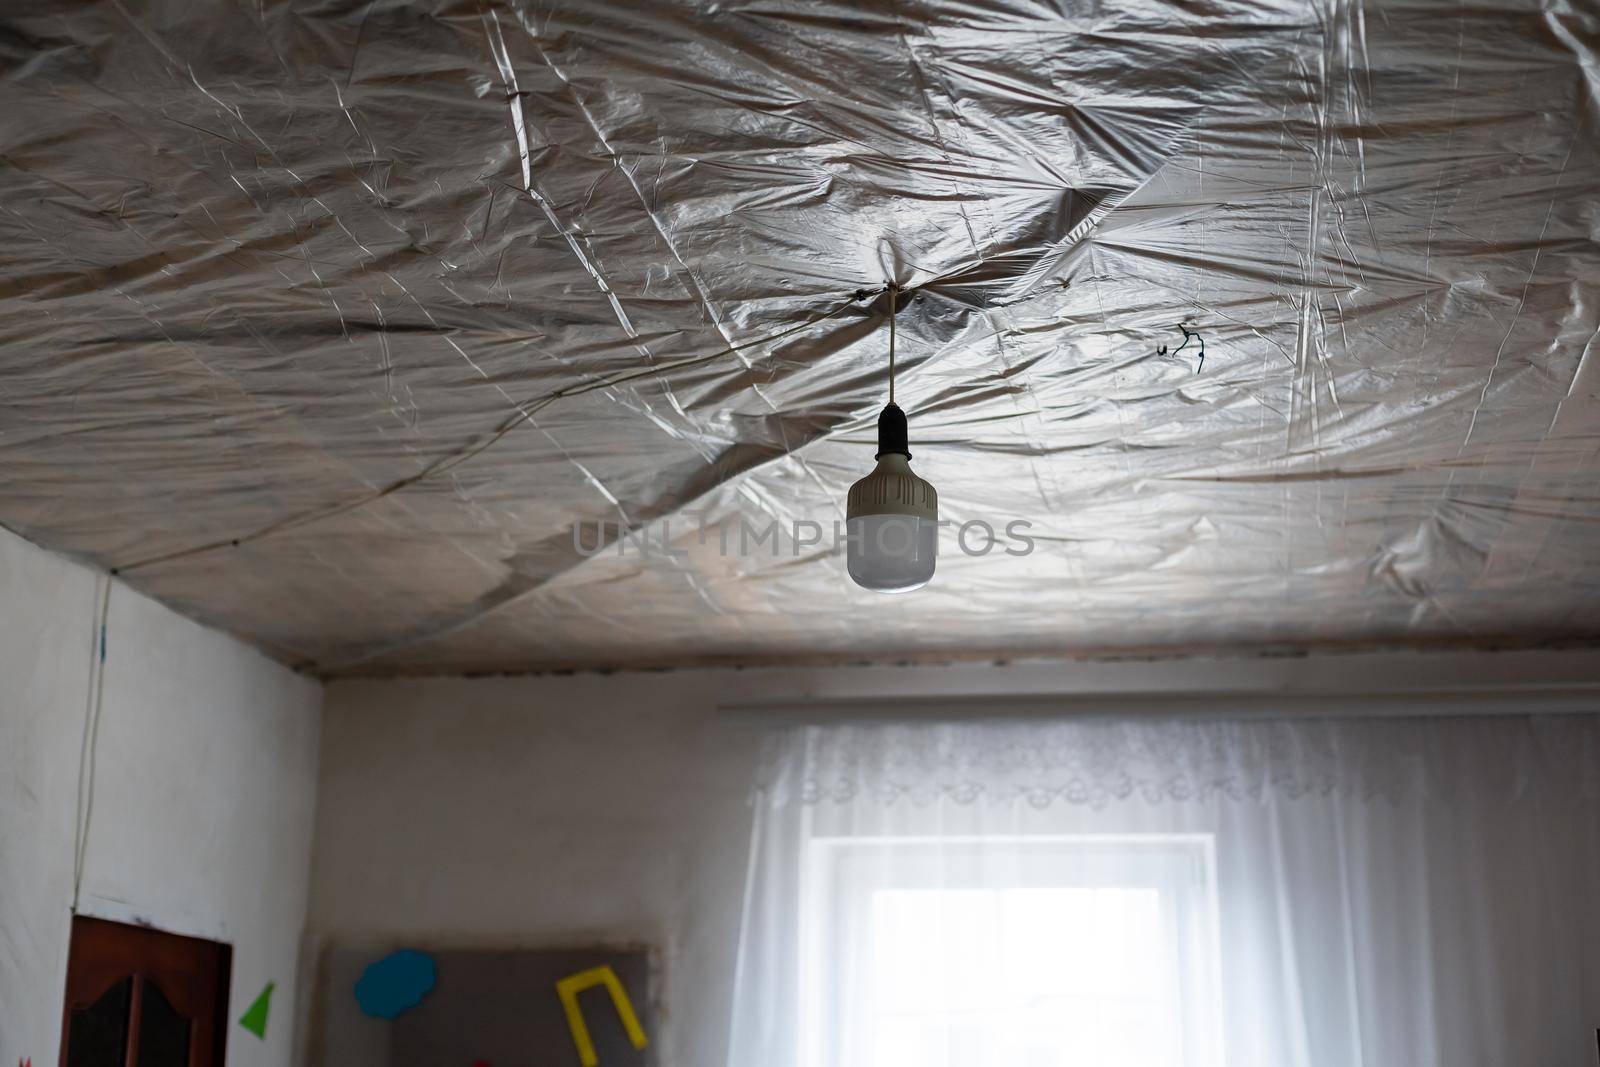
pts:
[265, 260]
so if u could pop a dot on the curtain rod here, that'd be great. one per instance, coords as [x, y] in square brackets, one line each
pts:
[1244, 704]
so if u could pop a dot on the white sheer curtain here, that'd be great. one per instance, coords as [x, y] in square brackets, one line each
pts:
[1359, 893]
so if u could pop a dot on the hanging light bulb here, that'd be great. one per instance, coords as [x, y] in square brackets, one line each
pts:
[892, 516]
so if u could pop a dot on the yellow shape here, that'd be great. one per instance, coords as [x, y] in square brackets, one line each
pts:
[569, 988]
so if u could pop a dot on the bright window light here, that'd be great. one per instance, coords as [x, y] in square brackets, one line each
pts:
[1011, 953]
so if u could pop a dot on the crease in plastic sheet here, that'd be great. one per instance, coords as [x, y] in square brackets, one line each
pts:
[262, 260]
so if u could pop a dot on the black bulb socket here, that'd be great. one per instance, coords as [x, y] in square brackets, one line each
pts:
[892, 433]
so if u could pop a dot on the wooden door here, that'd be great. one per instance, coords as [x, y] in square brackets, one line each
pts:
[138, 997]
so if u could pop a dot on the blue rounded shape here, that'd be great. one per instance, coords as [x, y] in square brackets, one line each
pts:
[395, 984]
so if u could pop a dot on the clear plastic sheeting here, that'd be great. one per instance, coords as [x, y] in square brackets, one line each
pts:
[264, 261]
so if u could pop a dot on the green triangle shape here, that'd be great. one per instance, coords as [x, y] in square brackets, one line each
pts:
[255, 1020]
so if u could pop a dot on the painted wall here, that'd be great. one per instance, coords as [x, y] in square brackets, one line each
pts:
[556, 811]
[204, 796]
[539, 812]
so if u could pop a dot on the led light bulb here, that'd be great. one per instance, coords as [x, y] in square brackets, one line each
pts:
[892, 517]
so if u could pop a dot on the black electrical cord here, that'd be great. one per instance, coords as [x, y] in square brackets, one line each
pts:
[524, 413]
[1188, 335]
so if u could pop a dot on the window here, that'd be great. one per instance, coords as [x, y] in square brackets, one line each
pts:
[1010, 952]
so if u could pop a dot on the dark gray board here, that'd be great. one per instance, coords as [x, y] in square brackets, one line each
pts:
[498, 1006]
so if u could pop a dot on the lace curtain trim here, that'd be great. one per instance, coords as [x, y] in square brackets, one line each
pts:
[1096, 763]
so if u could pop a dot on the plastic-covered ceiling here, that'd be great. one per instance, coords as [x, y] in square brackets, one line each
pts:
[268, 266]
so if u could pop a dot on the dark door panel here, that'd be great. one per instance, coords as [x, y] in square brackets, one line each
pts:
[138, 997]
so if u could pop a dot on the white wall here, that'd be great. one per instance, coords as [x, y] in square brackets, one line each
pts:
[203, 800]
[560, 811]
